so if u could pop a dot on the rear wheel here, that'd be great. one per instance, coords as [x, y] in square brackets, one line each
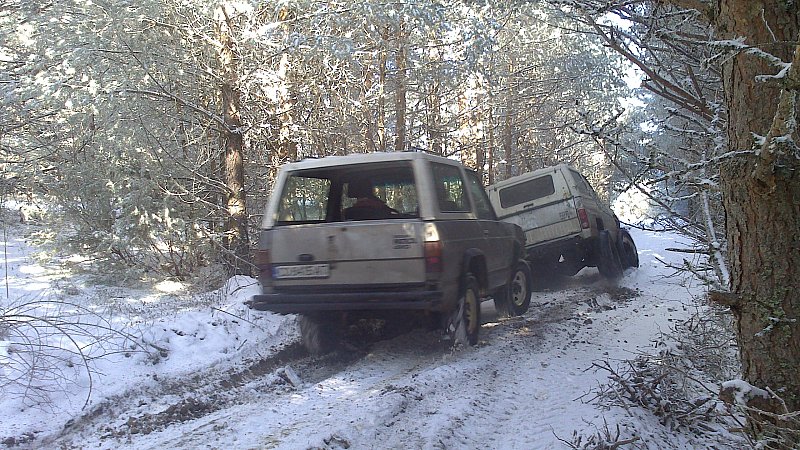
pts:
[628, 252]
[608, 262]
[514, 299]
[464, 322]
[320, 333]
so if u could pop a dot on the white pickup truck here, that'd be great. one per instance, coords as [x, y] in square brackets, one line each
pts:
[345, 236]
[567, 227]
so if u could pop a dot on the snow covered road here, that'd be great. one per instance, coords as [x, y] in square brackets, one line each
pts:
[224, 382]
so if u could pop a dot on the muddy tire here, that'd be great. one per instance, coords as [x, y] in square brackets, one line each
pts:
[608, 262]
[628, 253]
[320, 334]
[464, 322]
[514, 299]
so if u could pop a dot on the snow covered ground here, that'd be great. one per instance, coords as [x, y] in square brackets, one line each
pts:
[203, 371]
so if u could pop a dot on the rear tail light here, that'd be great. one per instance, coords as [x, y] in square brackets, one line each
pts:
[262, 259]
[433, 257]
[584, 218]
[433, 250]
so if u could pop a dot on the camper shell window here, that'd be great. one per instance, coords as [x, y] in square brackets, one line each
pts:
[527, 191]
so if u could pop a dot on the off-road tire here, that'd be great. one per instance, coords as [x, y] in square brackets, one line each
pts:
[320, 333]
[514, 298]
[608, 263]
[628, 253]
[464, 322]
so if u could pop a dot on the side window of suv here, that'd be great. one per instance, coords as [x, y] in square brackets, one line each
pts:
[482, 206]
[586, 188]
[582, 183]
[449, 186]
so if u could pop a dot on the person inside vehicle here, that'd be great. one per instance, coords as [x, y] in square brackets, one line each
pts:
[367, 205]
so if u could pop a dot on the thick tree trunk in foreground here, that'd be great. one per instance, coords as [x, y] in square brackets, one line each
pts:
[762, 198]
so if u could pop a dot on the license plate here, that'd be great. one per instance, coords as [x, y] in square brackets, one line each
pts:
[302, 271]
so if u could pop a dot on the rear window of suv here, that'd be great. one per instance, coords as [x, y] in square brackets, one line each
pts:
[326, 194]
[304, 199]
[527, 191]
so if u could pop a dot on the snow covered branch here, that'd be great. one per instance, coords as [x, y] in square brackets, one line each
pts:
[48, 345]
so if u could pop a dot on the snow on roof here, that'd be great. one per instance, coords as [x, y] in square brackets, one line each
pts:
[532, 174]
[363, 158]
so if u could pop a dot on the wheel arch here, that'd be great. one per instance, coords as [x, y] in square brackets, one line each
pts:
[518, 252]
[474, 262]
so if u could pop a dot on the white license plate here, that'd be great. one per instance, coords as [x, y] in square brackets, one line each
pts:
[302, 271]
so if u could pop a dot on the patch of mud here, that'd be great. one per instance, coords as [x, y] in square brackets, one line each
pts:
[15, 441]
[148, 409]
[266, 376]
[334, 442]
[602, 297]
[619, 294]
[185, 410]
[187, 398]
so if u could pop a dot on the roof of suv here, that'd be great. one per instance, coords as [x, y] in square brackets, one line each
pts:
[362, 158]
[525, 176]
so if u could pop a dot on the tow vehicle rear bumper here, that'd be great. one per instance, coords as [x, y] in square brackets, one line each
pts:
[346, 301]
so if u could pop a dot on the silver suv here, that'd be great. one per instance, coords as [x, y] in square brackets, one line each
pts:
[346, 236]
[567, 227]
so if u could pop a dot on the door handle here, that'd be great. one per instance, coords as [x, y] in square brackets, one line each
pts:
[486, 232]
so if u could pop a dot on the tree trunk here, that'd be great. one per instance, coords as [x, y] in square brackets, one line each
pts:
[508, 137]
[382, 92]
[400, 90]
[490, 151]
[236, 238]
[369, 118]
[762, 199]
[287, 147]
[435, 127]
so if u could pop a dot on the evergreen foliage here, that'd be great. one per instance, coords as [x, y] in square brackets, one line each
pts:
[115, 115]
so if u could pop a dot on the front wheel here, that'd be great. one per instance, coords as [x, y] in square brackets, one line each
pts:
[464, 322]
[514, 299]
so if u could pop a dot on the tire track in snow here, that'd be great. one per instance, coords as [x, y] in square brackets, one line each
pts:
[518, 349]
[523, 347]
[168, 402]
[471, 387]
[367, 385]
[407, 392]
